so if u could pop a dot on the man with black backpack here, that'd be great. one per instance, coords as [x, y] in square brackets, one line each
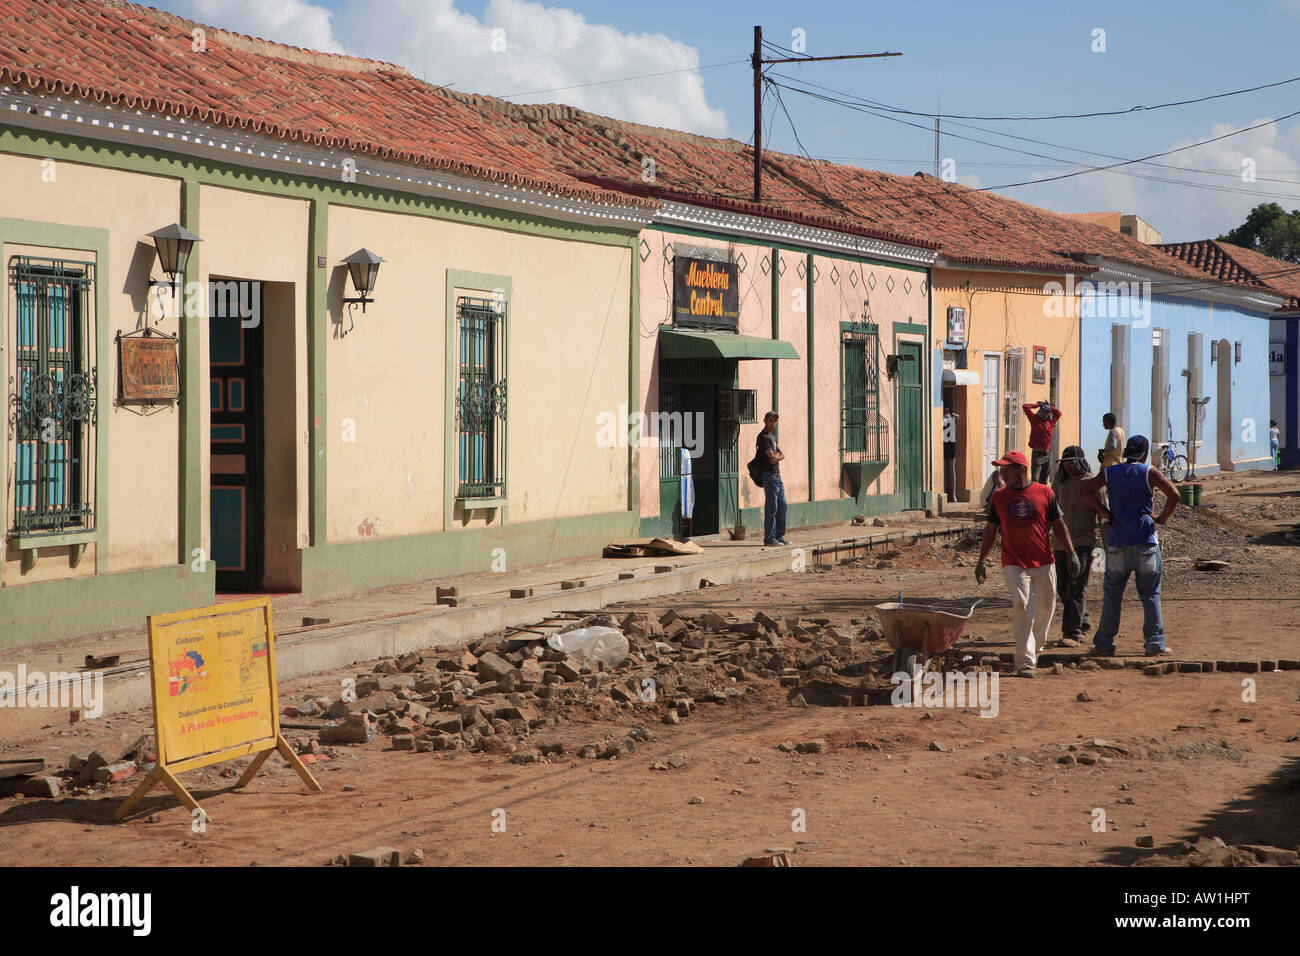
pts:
[767, 461]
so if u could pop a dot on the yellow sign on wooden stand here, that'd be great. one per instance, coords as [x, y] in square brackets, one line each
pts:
[214, 695]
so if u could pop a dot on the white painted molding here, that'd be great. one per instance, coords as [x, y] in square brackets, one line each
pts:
[66, 116]
[763, 229]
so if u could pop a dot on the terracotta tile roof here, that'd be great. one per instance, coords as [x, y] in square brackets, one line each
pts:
[969, 226]
[1227, 262]
[135, 57]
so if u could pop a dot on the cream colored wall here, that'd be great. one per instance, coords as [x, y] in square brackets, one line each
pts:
[142, 510]
[567, 363]
[1005, 310]
[257, 237]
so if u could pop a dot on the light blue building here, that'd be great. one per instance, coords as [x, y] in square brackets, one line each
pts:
[1173, 357]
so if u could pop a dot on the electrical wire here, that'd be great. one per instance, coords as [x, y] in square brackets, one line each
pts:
[624, 79]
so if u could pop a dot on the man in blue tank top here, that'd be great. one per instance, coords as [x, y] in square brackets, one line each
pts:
[1131, 544]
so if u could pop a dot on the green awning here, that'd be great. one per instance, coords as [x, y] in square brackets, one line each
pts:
[676, 344]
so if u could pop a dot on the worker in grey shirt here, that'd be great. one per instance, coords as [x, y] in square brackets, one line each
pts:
[1082, 520]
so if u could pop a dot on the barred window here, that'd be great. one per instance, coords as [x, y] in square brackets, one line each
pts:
[481, 398]
[864, 433]
[52, 394]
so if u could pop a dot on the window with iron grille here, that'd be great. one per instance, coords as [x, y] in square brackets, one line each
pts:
[864, 434]
[52, 394]
[481, 398]
[1013, 398]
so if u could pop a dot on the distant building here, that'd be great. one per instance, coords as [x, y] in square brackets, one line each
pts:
[1135, 227]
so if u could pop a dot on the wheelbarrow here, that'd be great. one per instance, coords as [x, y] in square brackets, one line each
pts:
[920, 632]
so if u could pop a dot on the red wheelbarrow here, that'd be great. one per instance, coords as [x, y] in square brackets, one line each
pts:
[919, 632]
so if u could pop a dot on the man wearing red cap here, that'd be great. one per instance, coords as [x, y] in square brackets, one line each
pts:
[1023, 510]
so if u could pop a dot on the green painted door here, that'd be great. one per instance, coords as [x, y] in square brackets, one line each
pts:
[235, 350]
[910, 424]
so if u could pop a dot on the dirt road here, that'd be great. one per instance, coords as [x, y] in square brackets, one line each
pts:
[1072, 770]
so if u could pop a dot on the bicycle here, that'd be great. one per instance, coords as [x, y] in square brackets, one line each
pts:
[1173, 466]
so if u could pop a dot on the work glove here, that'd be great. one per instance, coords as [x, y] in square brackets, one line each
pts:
[982, 572]
[1075, 567]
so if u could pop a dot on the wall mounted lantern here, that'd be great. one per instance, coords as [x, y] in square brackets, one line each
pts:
[363, 266]
[174, 244]
[1236, 349]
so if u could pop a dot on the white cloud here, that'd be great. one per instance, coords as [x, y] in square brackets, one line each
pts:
[1217, 203]
[295, 22]
[514, 47]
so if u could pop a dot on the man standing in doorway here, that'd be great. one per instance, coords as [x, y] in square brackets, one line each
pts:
[1110, 455]
[774, 504]
[1042, 422]
[1131, 543]
[1023, 510]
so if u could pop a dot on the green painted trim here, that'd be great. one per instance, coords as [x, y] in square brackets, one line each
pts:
[804, 514]
[317, 371]
[375, 563]
[634, 379]
[800, 250]
[158, 162]
[776, 327]
[52, 235]
[810, 342]
[479, 282]
[53, 610]
[908, 328]
[23, 542]
[194, 384]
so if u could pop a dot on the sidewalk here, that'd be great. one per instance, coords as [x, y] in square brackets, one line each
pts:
[397, 620]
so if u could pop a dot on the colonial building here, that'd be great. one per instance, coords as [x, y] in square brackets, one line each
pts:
[266, 414]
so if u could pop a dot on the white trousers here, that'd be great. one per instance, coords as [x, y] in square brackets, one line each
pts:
[1033, 602]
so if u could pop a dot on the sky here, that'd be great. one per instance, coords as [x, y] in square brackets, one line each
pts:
[959, 58]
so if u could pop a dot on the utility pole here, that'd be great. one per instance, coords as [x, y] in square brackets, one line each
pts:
[757, 62]
[937, 111]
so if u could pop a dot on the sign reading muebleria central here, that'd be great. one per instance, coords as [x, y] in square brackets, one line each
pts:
[705, 293]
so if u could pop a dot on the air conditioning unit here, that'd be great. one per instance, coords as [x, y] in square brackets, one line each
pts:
[738, 406]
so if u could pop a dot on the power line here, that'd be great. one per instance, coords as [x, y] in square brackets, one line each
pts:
[1092, 115]
[624, 79]
[1117, 167]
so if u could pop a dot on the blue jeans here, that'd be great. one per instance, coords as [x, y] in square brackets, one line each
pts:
[1144, 561]
[773, 507]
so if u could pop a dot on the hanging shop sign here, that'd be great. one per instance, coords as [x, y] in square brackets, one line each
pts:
[150, 368]
[705, 293]
[1276, 358]
[1040, 365]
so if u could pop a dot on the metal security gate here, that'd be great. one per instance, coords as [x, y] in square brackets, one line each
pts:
[992, 413]
[53, 395]
[689, 416]
[911, 425]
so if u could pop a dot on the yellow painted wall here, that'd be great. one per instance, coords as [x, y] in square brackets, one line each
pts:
[142, 506]
[567, 335]
[1004, 310]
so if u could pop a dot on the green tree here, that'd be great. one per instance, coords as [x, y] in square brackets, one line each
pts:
[1269, 229]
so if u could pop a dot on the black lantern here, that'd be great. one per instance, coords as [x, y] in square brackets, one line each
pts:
[363, 266]
[174, 243]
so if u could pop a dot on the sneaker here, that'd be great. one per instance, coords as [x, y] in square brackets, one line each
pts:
[782, 541]
[1102, 651]
[1026, 672]
[1153, 651]
[769, 543]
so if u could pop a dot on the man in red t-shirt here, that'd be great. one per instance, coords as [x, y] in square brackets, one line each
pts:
[1023, 510]
[1042, 422]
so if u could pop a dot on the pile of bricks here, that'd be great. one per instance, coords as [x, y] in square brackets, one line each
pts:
[500, 694]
